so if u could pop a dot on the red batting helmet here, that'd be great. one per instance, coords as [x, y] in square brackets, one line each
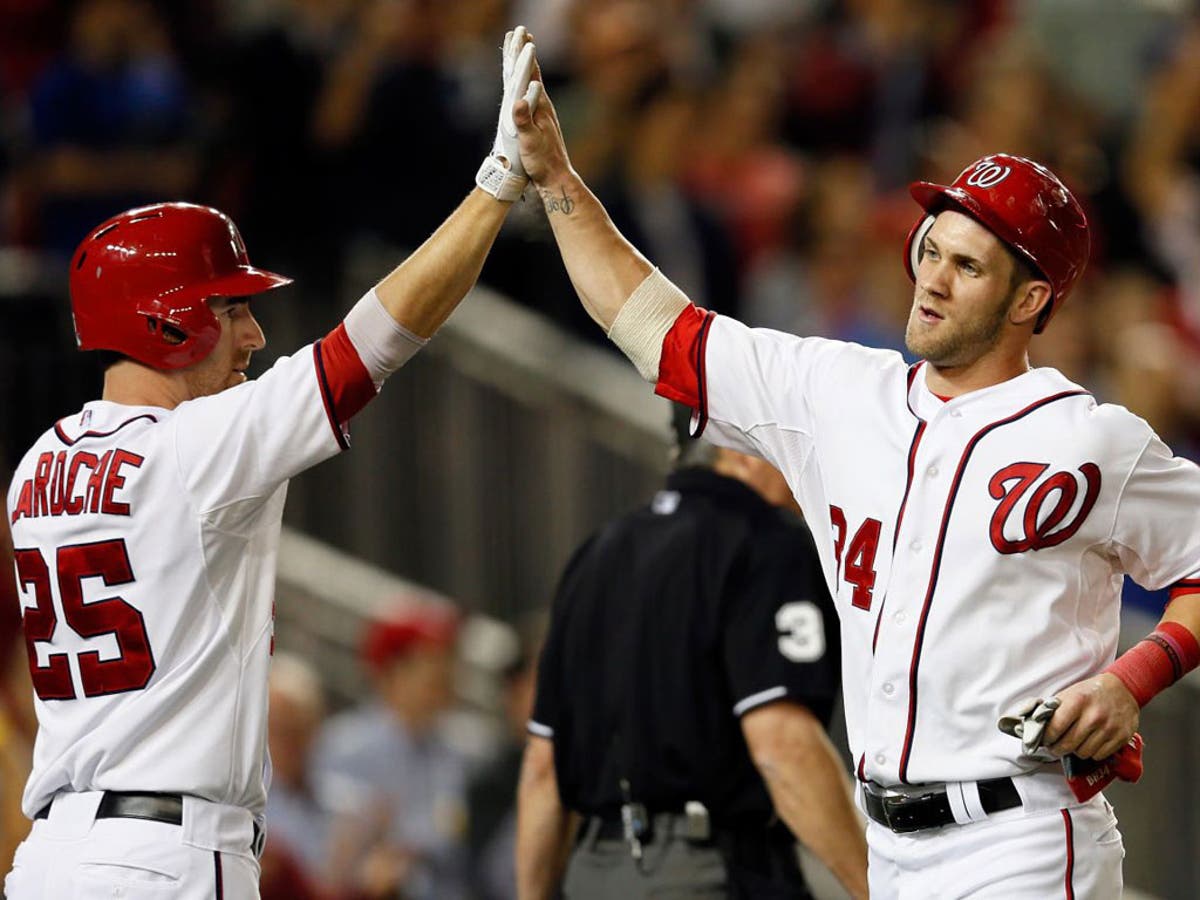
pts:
[140, 282]
[1022, 203]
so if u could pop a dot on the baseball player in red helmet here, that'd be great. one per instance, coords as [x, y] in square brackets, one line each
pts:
[146, 528]
[979, 515]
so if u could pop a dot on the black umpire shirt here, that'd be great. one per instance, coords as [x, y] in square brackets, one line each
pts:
[668, 625]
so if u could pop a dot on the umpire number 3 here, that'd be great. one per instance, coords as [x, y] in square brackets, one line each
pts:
[802, 628]
[131, 669]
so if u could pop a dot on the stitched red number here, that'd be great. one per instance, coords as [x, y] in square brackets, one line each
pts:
[860, 556]
[107, 560]
[53, 680]
[839, 527]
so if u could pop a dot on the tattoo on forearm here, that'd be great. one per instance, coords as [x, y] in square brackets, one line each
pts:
[555, 203]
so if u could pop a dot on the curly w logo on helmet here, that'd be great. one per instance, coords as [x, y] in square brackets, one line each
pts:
[988, 175]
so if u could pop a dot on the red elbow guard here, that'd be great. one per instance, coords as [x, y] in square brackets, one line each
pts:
[1157, 661]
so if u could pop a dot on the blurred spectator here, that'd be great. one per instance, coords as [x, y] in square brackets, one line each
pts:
[741, 168]
[1162, 170]
[492, 792]
[618, 47]
[271, 174]
[390, 116]
[643, 192]
[110, 122]
[296, 856]
[819, 281]
[390, 771]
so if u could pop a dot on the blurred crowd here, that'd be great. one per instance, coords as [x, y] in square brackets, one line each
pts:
[757, 150]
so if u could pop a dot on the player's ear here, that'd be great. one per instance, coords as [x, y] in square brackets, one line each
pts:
[1028, 300]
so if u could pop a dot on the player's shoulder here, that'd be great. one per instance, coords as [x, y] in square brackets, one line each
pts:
[828, 350]
[98, 422]
[1088, 420]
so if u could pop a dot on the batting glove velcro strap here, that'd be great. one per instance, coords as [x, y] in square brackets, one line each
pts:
[502, 175]
[499, 180]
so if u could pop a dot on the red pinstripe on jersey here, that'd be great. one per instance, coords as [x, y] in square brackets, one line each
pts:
[1069, 877]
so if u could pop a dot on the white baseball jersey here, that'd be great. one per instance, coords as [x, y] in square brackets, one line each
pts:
[146, 544]
[975, 547]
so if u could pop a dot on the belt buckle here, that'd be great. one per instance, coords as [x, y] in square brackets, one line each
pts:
[892, 803]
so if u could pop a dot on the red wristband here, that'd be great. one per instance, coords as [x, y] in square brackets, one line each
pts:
[1157, 661]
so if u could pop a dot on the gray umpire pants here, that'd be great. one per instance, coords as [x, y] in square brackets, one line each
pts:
[671, 867]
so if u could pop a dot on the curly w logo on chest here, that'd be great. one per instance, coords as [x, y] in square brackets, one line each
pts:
[1040, 518]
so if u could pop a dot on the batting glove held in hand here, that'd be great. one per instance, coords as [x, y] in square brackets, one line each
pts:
[502, 175]
[1027, 721]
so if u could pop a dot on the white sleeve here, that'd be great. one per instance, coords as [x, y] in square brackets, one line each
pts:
[246, 441]
[1156, 532]
[764, 392]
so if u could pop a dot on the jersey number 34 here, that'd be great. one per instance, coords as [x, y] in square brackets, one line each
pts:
[131, 669]
[859, 571]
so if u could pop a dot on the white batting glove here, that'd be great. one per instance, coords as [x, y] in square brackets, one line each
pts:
[502, 175]
[1027, 721]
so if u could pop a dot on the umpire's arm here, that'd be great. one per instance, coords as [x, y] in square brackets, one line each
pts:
[807, 783]
[542, 824]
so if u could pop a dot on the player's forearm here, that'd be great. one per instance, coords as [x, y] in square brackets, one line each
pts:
[809, 790]
[541, 827]
[422, 292]
[604, 267]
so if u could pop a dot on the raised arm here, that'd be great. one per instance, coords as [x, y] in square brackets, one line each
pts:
[604, 267]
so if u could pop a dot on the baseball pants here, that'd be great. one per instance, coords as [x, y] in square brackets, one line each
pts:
[1073, 852]
[72, 855]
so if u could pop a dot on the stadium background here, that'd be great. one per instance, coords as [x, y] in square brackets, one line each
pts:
[756, 149]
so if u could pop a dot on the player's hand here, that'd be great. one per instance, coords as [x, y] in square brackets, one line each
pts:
[1094, 719]
[502, 174]
[543, 151]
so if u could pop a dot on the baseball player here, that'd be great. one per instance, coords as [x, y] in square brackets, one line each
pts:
[979, 518]
[146, 528]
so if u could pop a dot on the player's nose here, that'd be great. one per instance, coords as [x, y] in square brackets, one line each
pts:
[252, 335]
[932, 277]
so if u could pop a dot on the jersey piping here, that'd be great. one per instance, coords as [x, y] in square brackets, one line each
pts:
[1069, 876]
[762, 698]
[914, 666]
[62, 435]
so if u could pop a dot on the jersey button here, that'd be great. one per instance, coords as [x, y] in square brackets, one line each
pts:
[880, 759]
[900, 618]
[933, 471]
[956, 413]
[888, 688]
[916, 546]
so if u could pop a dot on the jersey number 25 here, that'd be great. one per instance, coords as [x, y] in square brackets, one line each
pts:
[131, 669]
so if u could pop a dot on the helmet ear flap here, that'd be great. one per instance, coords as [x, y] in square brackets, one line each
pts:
[914, 247]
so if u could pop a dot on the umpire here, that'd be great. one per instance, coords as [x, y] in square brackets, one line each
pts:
[683, 692]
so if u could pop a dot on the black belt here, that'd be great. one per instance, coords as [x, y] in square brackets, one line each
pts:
[904, 813]
[165, 808]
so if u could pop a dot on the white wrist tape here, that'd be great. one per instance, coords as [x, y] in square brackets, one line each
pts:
[383, 344]
[499, 180]
[644, 320]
